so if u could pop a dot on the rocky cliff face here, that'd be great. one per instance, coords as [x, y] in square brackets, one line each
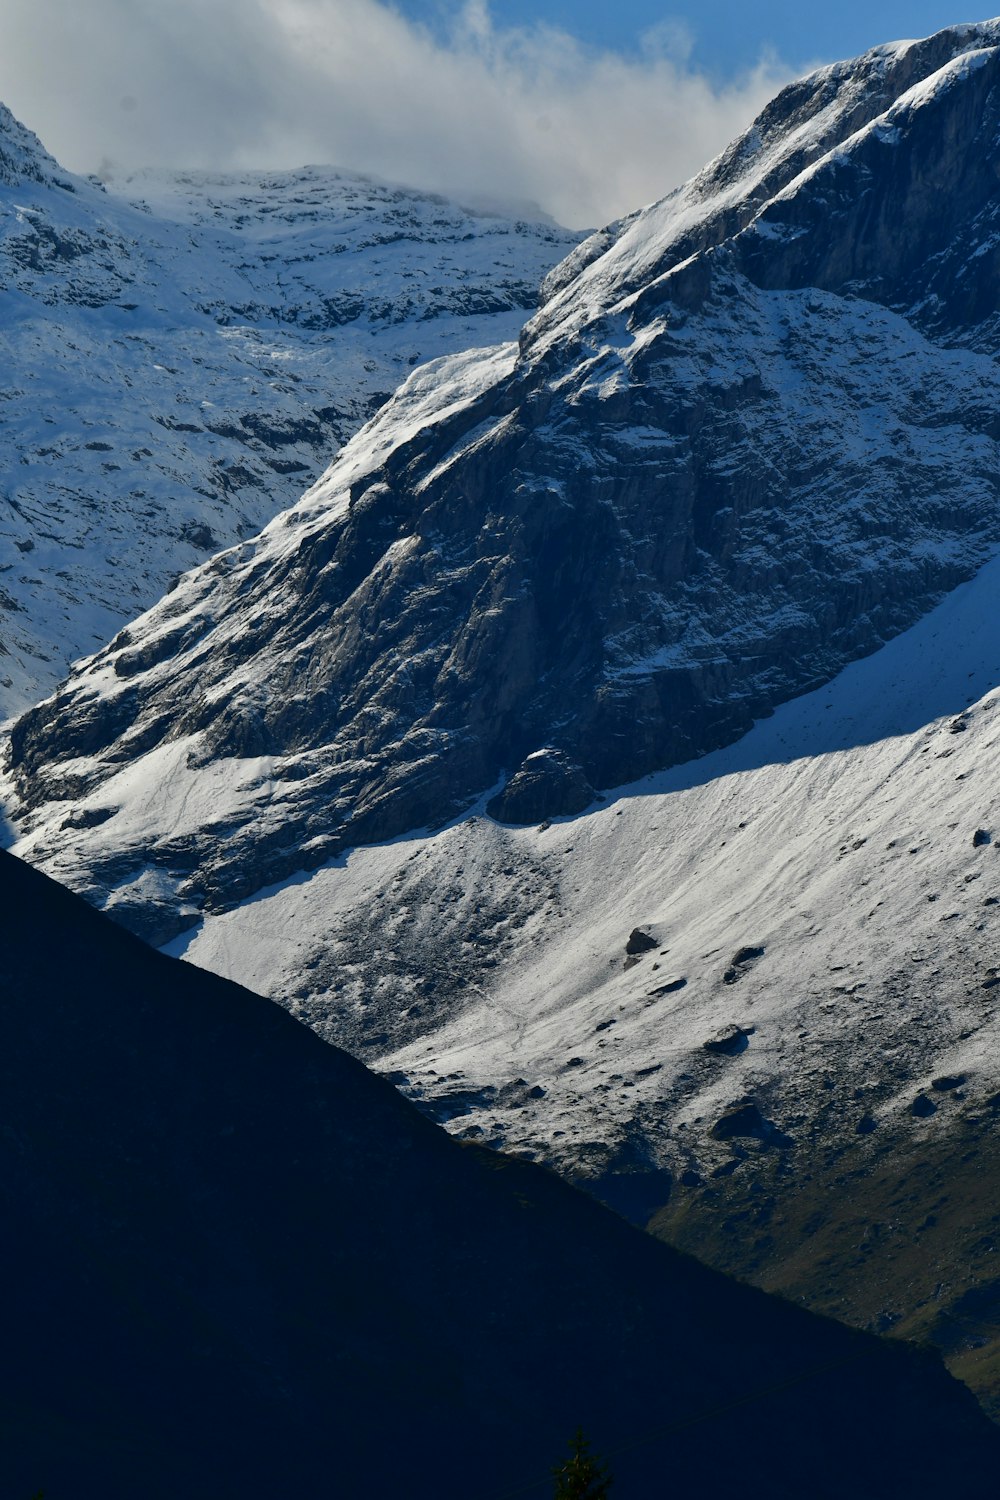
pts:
[750, 435]
[182, 353]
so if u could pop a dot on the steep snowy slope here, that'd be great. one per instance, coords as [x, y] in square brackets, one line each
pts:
[747, 439]
[237, 1264]
[183, 353]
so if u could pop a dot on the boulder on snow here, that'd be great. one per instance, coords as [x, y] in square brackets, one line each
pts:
[670, 988]
[744, 1120]
[923, 1107]
[547, 784]
[88, 817]
[730, 1041]
[741, 962]
[980, 837]
[947, 1082]
[639, 942]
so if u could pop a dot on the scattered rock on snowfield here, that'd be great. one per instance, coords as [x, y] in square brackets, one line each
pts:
[728, 1042]
[639, 942]
[980, 837]
[740, 962]
[922, 1107]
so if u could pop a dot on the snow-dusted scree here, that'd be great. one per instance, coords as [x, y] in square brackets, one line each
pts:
[182, 353]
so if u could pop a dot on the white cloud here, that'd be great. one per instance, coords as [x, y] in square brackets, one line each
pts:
[525, 113]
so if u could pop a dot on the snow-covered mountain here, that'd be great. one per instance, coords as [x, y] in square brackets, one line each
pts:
[182, 354]
[726, 458]
[749, 437]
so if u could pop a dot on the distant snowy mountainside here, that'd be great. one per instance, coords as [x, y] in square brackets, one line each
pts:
[726, 458]
[184, 352]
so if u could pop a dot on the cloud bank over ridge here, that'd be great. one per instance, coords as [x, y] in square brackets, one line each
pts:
[525, 113]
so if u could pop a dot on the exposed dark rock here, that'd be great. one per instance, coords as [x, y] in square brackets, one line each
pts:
[730, 1041]
[451, 1104]
[670, 988]
[639, 942]
[980, 837]
[546, 785]
[199, 535]
[745, 1120]
[742, 960]
[948, 1081]
[516, 1094]
[923, 1107]
[866, 1125]
[88, 817]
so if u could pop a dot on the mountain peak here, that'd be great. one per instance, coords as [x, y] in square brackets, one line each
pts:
[806, 126]
[23, 158]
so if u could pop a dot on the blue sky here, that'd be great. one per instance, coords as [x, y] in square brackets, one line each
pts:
[728, 36]
[473, 98]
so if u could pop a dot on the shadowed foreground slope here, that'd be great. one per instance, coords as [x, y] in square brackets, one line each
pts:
[237, 1264]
